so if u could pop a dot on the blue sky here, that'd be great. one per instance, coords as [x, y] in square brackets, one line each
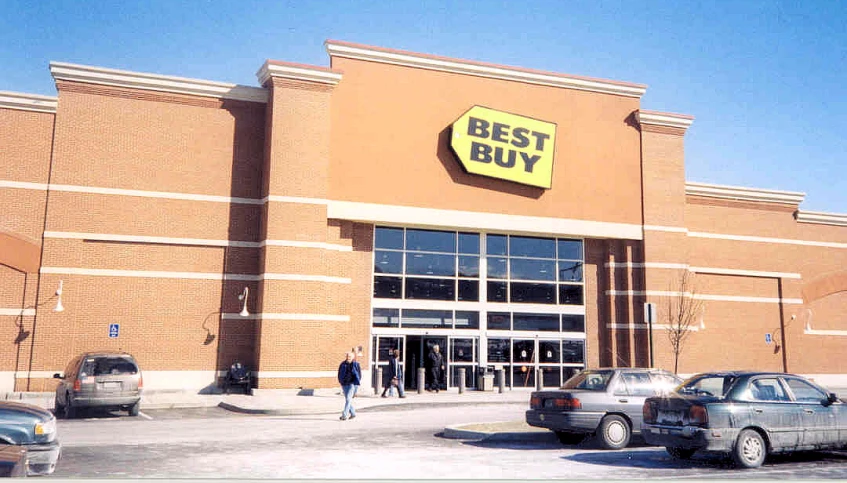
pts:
[765, 80]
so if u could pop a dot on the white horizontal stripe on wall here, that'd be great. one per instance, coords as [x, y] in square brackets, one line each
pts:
[477, 306]
[837, 333]
[293, 374]
[724, 298]
[472, 220]
[761, 239]
[672, 229]
[17, 312]
[692, 328]
[674, 266]
[101, 272]
[287, 316]
[193, 241]
[707, 270]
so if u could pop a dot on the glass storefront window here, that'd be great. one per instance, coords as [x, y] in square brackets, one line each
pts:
[497, 267]
[524, 246]
[386, 317]
[523, 350]
[570, 249]
[468, 266]
[388, 262]
[431, 319]
[573, 323]
[573, 351]
[523, 375]
[549, 351]
[499, 321]
[388, 287]
[570, 294]
[499, 350]
[495, 244]
[468, 290]
[570, 271]
[529, 269]
[533, 293]
[391, 238]
[430, 288]
[461, 350]
[469, 243]
[552, 376]
[536, 322]
[467, 320]
[430, 264]
[430, 241]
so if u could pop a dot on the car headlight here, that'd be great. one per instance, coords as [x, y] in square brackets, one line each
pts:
[46, 427]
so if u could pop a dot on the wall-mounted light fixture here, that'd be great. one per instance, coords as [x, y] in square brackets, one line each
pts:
[59, 307]
[243, 296]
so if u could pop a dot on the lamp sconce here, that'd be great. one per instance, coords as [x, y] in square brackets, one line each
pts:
[243, 296]
[59, 307]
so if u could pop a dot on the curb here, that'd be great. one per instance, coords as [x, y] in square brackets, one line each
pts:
[459, 432]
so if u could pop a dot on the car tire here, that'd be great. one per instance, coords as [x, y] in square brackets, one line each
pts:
[58, 409]
[567, 437]
[680, 453]
[750, 449]
[614, 432]
[135, 408]
[69, 409]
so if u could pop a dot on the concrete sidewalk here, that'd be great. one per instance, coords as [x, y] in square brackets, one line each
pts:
[299, 402]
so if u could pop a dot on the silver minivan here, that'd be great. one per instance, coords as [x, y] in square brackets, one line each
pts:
[110, 380]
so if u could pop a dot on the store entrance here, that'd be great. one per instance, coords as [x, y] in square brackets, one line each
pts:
[418, 348]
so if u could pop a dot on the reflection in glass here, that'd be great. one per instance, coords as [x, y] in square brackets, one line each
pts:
[430, 264]
[548, 351]
[551, 376]
[570, 294]
[469, 290]
[535, 293]
[524, 246]
[497, 291]
[461, 350]
[432, 319]
[387, 344]
[388, 287]
[573, 351]
[496, 267]
[468, 266]
[570, 271]
[573, 323]
[527, 269]
[499, 321]
[386, 317]
[495, 244]
[570, 249]
[523, 350]
[430, 240]
[430, 288]
[388, 262]
[469, 243]
[467, 319]
[388, 238]
[523, 375]
[499, 350]
[545, 322]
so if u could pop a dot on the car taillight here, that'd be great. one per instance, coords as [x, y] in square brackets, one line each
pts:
[140, 381]
[648, 411]
[698, 415]
[77, 385]
[535, 402]
[567, 403]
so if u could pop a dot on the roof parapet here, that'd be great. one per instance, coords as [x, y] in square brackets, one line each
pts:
[743, 194]
[28, 102]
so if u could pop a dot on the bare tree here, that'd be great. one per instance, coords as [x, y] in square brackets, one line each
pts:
[683, 311]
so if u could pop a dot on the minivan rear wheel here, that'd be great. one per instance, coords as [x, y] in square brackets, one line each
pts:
[58, 409]
[135, 408]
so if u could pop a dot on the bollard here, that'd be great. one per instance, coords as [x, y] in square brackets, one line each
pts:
[378, 382]
[421, 379]
[461, 380]
[501, 380]
[539, 381]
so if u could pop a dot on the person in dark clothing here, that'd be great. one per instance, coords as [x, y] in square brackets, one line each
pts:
[435, 361]
[349, 376]
[394, 374]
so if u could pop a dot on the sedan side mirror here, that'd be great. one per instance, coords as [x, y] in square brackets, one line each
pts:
[830, 398]
[57, 376]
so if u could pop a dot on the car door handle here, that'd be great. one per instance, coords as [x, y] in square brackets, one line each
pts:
[758, 410]
[623, 401]
[809, 411]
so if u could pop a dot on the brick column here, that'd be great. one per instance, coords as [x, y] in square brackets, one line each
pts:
[663, 202]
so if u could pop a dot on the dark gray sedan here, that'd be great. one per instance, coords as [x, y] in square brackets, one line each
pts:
[602, 402]
[746, 414]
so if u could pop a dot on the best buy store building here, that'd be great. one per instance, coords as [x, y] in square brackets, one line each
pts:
[518, 219]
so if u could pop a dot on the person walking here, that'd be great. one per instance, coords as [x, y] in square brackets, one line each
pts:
[394, 374]
[349, 376]
[436, 366]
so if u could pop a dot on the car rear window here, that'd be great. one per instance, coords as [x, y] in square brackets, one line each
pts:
[589, 380]
[711, 385]
[102, 366]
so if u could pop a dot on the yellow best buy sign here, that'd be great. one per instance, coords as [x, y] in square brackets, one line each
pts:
[505, 146]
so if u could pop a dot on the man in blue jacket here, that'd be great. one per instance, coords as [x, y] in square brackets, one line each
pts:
[349, 376]
[394, 374]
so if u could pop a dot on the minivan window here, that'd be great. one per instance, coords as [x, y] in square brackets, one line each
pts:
[102, 366]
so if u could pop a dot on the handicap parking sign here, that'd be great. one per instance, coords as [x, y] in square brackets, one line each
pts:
[114, 330]
[767, 338]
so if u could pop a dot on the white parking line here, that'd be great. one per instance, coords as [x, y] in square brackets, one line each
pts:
[144, 415]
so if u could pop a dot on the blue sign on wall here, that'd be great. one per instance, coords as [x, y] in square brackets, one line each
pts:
[114, 330]
[767, 338]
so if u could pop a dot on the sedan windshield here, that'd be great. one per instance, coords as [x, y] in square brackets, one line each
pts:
[589, 380]
[709, 385]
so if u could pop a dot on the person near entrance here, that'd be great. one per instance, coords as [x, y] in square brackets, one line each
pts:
[435, 361]
[394, 374]
[349, 376]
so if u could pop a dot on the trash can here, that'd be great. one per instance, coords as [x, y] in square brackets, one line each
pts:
[485, 381]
